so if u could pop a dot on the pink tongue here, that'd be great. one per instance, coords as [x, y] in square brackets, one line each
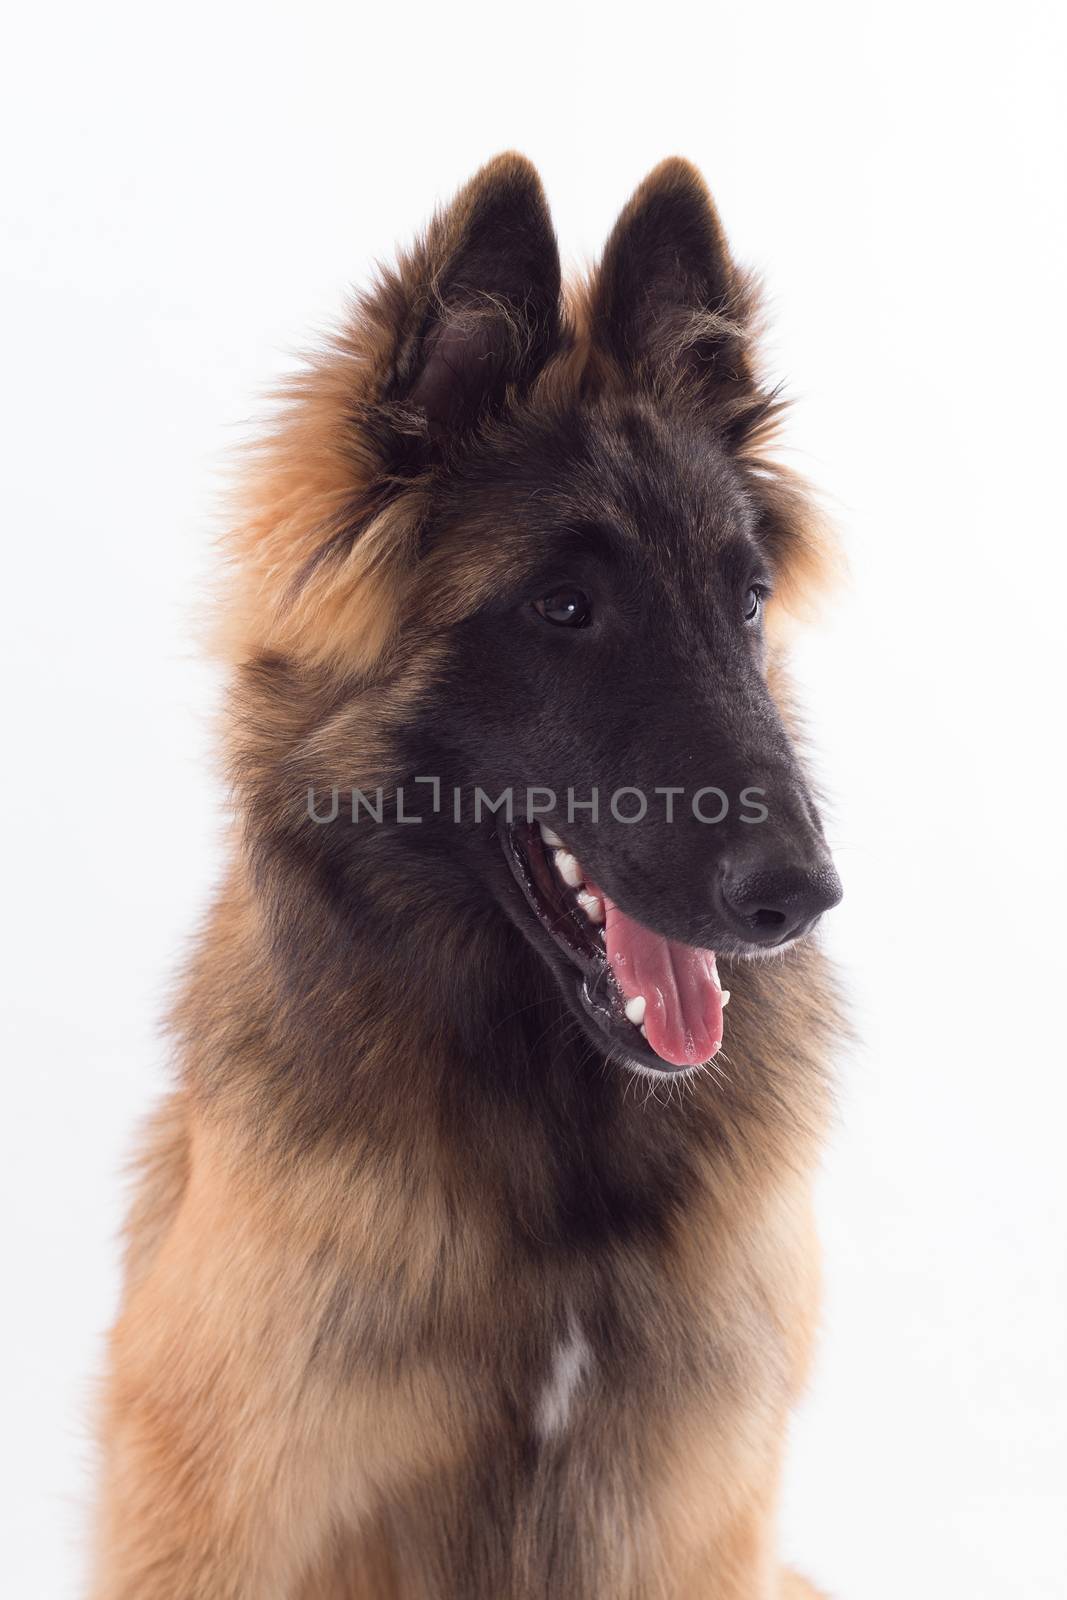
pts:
[683, 1001]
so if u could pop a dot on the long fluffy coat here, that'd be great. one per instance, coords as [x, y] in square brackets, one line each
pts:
[425, 1298]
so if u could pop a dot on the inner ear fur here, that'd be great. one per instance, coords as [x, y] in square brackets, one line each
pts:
[478, 310]
[670, 307]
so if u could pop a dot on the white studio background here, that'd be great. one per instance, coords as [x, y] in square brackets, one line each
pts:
[188, 194]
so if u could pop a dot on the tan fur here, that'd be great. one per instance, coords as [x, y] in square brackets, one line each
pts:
[236, 1472]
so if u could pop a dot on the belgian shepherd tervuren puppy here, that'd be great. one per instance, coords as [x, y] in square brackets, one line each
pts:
[466, 1263]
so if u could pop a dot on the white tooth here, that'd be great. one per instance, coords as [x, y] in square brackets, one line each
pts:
[550, 838]
[726, 997]
[568, 868]
[642, 1031]
[635, 1010]
[592, 905]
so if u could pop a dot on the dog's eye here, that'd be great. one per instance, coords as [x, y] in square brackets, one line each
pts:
[568, 608]
[753, 602]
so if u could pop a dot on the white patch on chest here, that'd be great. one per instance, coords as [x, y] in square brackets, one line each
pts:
[570, 1362]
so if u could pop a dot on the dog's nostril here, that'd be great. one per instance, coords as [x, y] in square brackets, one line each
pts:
[772, 900]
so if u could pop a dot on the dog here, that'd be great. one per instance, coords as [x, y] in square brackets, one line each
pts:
[472, 1256]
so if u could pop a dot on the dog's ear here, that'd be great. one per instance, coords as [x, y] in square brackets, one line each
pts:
[476, 305]
[333, 505]
[669, 306]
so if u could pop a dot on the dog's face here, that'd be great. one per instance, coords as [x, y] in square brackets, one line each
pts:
[597, 548]
[612, 687]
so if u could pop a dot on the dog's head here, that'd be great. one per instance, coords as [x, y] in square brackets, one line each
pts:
[524, 544]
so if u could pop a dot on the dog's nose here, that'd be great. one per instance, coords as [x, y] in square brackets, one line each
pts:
[768, 902]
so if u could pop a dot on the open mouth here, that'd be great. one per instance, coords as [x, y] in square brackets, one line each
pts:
[657, 1001]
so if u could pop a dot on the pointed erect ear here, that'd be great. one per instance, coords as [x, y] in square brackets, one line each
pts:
[669, 306]
[478, 300]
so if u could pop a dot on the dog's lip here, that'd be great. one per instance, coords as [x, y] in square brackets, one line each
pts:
[599, 996]
[564, 924]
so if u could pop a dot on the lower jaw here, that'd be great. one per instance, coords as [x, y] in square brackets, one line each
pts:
[620, 1040]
